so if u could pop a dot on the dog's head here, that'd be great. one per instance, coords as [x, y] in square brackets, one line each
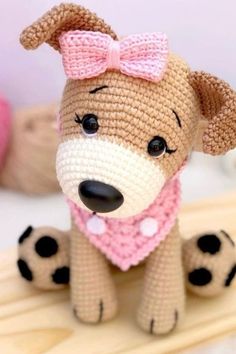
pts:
[123, 137]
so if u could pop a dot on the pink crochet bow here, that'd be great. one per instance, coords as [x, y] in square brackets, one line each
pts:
[88, 54]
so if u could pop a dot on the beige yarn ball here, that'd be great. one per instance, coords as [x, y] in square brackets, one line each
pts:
[30, 162]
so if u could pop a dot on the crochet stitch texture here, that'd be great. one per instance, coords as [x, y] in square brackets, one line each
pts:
[130, 134]
[128, 241]
[87, 54]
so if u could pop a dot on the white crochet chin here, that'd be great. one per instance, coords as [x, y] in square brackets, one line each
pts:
[136, 177]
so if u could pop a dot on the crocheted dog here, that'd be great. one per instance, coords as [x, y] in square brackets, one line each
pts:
[130, 114]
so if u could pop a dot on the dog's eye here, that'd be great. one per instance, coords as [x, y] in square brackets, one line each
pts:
[90, 124]
[158, 147]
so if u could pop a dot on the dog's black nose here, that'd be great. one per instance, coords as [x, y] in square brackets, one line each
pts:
[100, 197]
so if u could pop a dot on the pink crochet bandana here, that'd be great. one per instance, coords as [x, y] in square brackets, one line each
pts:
[126, 242]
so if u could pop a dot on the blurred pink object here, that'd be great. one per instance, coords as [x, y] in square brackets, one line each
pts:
[5, 123]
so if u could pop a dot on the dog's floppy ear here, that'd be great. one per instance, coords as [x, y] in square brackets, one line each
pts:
[217, 128]
[59, 19]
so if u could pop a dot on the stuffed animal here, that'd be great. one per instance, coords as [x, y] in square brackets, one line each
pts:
[28, 147]
[130, 115]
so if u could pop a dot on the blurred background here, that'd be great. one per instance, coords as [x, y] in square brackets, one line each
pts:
[203, 32]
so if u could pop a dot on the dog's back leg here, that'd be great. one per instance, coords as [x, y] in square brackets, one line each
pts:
[43, 257]
[209, 263]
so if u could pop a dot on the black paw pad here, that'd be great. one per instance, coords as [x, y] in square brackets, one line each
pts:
[46, 247]
[25, 234]
[61, 275]
[230, 276]
[24, 270]
[200, 277]
[209, 243]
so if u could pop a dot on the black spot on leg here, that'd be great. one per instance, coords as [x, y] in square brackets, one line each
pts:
[200, 277]
[230, 276]
[61, 275]
[46, 247]
[209, 243]
[228, 237]
[24, 270]
[25, 234]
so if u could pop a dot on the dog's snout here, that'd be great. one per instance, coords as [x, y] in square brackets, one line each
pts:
[100, 197]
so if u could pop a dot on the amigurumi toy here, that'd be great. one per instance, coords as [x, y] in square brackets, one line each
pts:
[130, 115]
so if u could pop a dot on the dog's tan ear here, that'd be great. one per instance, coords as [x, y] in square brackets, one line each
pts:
[217, 128]
[62, 18]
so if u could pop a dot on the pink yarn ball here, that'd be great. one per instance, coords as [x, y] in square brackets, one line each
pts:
[5, 123]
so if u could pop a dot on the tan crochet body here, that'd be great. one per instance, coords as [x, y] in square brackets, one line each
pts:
[130, 112]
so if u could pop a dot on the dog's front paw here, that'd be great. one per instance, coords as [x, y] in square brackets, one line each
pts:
[159, 322]
[95, 310]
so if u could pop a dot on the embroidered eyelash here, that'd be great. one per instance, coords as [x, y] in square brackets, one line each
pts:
[77, 119]
[170, 151]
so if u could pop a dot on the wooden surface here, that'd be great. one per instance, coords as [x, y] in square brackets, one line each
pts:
[35, 322]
